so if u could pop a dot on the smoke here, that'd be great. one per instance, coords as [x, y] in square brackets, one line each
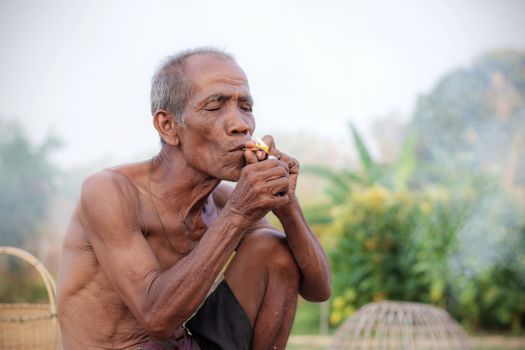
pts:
[490, 236]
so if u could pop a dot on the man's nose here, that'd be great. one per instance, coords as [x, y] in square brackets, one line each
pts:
[239, 124]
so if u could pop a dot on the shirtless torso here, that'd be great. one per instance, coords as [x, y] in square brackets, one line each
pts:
[90, 300]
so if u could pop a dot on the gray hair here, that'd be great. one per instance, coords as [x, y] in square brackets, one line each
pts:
[170, 87]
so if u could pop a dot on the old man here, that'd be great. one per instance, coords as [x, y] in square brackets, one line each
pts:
[143, 255]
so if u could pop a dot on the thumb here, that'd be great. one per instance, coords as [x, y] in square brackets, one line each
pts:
[250, 157]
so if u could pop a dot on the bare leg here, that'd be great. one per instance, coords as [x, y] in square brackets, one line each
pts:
[265, 280]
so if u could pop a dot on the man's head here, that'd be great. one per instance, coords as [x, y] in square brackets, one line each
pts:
[202, 109]
[170, 86]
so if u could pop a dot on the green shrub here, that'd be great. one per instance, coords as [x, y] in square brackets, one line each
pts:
[430, 246]
[458, 243]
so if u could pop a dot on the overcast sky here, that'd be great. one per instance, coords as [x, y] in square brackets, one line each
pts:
[82, 69]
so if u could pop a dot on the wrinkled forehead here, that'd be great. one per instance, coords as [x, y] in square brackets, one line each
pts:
[205, 69]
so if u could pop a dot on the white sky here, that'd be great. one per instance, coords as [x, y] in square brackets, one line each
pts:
[81, 69]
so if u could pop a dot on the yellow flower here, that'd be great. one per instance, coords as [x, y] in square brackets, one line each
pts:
[350, 294]
[336, 317]
[338, 303]
[376, 197]
[436, 291]
[349, 311]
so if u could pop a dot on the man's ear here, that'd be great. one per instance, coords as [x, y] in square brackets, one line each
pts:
[166, 126]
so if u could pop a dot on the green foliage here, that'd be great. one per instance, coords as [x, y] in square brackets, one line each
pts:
[397, 237]
[392, 245]
[26, 180]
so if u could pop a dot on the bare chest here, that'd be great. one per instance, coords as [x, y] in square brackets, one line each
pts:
[172, 236]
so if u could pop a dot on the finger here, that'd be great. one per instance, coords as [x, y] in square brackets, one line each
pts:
[276, 201]
[279, 187]
[276, 188]
[267, 164]
[273, 173]
[262, 176]
[250, 157]
[269, 141]
[273, 151]
[252, 146]
[293, 165]
[281, 200]
[261, 155]
[278, 163]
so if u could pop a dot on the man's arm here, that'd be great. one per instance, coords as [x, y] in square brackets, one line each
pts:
[162, 300]
[316, 281]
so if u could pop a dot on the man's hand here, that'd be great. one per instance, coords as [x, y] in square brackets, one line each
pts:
[263, 186]
[259, 155]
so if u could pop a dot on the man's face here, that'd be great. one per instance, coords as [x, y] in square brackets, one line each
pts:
[218, 117]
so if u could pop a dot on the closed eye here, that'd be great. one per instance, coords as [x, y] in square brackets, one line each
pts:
[246, 106]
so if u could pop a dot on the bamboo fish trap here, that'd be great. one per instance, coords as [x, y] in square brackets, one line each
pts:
[400, 325]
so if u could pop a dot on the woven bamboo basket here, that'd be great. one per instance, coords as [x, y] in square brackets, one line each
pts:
[29, 326]
[400, 325]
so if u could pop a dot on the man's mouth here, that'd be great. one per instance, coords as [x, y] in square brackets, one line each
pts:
[239, 148]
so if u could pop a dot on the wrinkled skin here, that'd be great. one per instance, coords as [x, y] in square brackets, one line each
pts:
[123, 279]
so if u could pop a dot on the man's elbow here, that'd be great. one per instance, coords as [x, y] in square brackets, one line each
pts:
[156, 327]
[318, 295]
[159, 327]
[326, 294]
[159, 321]
[162, 323]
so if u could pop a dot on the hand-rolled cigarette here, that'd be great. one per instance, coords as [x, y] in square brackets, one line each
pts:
[259, 146]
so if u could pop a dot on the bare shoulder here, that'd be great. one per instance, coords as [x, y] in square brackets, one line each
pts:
[121, 180]
[111, 196]
[105, 185]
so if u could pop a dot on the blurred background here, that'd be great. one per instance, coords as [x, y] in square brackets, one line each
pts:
[408, 118]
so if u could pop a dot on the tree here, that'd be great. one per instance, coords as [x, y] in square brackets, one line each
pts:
[26, 180]
[473, 121]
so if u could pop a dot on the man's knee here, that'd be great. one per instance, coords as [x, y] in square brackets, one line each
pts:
[269, 248]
